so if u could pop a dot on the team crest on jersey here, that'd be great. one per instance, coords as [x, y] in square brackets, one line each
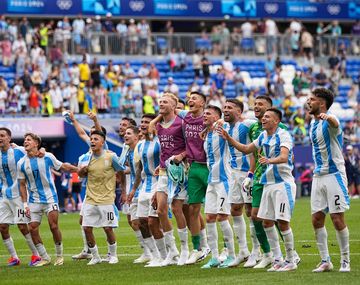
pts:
[106, 162]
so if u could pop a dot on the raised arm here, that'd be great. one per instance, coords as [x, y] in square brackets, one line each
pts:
[68, 167]
[152, 129]
[80, 131]
[92, 116]
[333, 122]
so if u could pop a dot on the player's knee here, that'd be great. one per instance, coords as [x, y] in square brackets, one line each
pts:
[135, 224]
[194, 210]
[4, 228]
[338, 222]
[267, 223]
[23, 229]
[108, 230]
[161, 212]
[54, 227]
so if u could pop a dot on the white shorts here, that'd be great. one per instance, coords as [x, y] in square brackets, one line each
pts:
[100, 216]
[12, 211]
[145, 209]
[133, 209]
[329, 193]
[277, 201]
[236, 194]
[82, 206]
[125, 209]
[217, 199]
[37, 210]
[173, 190]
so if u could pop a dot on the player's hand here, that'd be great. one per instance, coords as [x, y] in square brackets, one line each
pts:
[154, 201]
[27, 212]
[83, 171]
[157, 170]
[123, 198]
[13, 145]
[177, 158]
[203, 134]
[92, 116]
[130, 197]
[324, 116]
[247, 183]
[41, 152]
[223, 133]
[263, 160]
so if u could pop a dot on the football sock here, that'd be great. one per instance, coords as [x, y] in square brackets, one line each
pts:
[213, 239]
[203, 238]
[31, 244]
[239, 227]
[343, 240]
[273, 238]
[183, 235]
[161, 246]
[9, 244]
[289, 244]
[255, 242]
[228, 237]
[59, 249]
[321, 241]
[261, 236]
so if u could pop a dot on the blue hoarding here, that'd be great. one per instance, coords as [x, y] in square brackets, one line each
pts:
[187, 8]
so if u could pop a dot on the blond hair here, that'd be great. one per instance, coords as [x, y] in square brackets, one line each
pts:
[172, 96]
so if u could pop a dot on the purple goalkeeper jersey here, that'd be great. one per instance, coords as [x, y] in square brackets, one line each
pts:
[194, 144]
[171, 138]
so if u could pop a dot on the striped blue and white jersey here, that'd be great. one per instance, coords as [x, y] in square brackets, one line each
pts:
[37, 173]
[327, 143]
[240, 132]
[83, 161]
[10, 188]
[148, 152]
[218, 157]
[127, 158]
[271, 147]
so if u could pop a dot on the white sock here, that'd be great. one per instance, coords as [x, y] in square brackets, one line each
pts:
[212, 235]
[170, 241]
[228, 236]
[239, 227]
[94, 251]
[255, 242]
[161, 246]
[9, 244]
[59, 249]
[343, 240]
[273, 239]
[321, 241]
[140, 240]
[42, 251]
[31, 244]
[150, 244]
[183, 235]
[86, 248]
[203, 239]
[112, 249]
[289, 244]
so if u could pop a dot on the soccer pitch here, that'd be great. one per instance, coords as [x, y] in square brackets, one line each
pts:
[125, 272]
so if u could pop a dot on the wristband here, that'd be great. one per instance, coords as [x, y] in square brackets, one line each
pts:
[250, 175]
[26, 205]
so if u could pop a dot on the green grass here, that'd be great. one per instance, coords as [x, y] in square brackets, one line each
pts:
[125, 272]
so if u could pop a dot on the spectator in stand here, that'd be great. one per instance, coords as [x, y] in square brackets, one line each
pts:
[321, 78]
[239, 82]
[101, 99]
[108, 25]
[78, 27]
[3, 26]
[114, 98]
[306, 180]
[334, 60]
[144, 35]
[26, 79]
[18, 43]
[5, 46]
[42, 63]
[74, 104]
[66, 28]
[225, 38]
[196, 62]
[352, 166]
[58, 37]
[84, 70]
[81, 97]
[307, 45]
[75, 74]
[295, 26]
[95, 73]
[215, 40]
[35, 53]
[295, 43]
[24, 100]
[128, 71]
[349, 133]
[13, 30]
[205, 63]
[299, 132]
[65, 94]
[56, 55]
[34, 99]
[228, 68]
[172, 60]
[154, 76]
[206, 88]
[334, 80]
[37, 78]
[148, 104]
[171, 87]
[269, 64]
[220, 80]
[65, 74]
[3, 97]
[182, 59]
[247, 30]
[271, 32]
[12, 102]
[56, 97]
[122, 31]
[44, 33]
[133, 37]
